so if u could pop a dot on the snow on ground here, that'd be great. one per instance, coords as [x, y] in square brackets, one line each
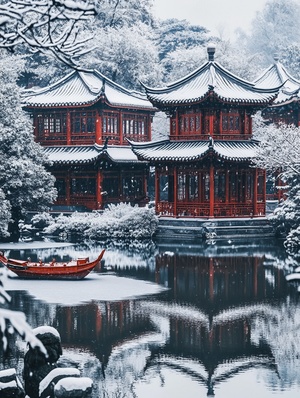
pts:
[94, 287]
[33, 245]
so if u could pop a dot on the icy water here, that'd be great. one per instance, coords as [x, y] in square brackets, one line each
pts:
[170, 320]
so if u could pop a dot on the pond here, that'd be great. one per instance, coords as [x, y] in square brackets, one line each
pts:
[168, 320]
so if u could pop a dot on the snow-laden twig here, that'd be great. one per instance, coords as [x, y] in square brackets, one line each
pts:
[48, 26]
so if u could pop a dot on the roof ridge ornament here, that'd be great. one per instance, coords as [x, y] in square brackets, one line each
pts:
[211, 49]
[211, 143]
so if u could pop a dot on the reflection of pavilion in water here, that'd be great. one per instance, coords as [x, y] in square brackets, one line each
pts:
[214, 301]
[209, 311]
[217, 282]
[101, 327]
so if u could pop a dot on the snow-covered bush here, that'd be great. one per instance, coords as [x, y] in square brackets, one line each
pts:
[292, 242]
[117, 221]
[42, 220]
[279, 153]
[5, 215]
[286, 217]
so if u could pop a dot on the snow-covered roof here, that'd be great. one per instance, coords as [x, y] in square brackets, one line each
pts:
[87, 154]
[194, 150]
[277, 75]
[211, 79]
[124, 155]
[82, 88]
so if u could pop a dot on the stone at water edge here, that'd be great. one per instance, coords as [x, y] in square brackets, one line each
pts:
[46, 387]
[10, 385]
[72, 387]
[36, 365]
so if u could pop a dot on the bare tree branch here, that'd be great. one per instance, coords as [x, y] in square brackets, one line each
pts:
[49, 26]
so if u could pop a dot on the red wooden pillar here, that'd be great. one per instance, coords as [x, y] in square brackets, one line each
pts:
[265, 190]
[98, 320]
[120, 123]
[211, 123]
[98, 138]
[148, 127]
[211, 191]
[99, 189]
[175, 192]
[157, 190]
[244, 128]
[255, 187]
[68, 127]
[177, 124]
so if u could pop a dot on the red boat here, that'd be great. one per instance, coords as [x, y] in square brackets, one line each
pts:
[75, 269]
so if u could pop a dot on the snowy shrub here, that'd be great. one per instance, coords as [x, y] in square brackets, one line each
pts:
[123, 221]
[117, 221]
[286, 217]
[5, 215]
[292, 242]
[41, 220]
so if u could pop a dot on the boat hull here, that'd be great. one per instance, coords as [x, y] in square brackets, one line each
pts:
[72, 270]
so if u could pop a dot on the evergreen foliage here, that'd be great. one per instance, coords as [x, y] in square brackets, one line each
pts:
[121, 221]
[24, 181]
[279, 153]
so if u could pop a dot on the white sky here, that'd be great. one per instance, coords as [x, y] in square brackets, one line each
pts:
[223, 16]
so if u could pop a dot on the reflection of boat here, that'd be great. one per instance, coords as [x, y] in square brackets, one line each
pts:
[75, 269]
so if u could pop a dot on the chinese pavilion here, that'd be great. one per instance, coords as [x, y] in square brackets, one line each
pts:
[82, 121]
[286, 107]
[205, 168]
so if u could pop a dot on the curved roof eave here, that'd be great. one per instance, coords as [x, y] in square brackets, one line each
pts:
[221, 99]
[185, 151]
[209, 79]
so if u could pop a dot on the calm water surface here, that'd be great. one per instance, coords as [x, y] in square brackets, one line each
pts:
[228, 324]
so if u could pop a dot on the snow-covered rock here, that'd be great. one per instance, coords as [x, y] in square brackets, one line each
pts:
[72, 387]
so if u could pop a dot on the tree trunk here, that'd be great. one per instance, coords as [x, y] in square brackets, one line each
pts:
[13, 226]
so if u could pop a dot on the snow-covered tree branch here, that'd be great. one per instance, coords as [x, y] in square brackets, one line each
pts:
[279, 147]
[48, 26]
[280, 152]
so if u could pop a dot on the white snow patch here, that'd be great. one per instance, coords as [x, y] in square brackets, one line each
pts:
[74, 383]
[58, 372]
[94, 287]
[9, 384]
[33, 245]
[8, 372]
[46, 329]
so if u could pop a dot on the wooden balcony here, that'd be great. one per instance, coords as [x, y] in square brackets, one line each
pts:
[228, 210]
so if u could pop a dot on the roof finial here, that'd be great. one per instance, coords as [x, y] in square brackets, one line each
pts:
[211, 48]
[276, 57]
